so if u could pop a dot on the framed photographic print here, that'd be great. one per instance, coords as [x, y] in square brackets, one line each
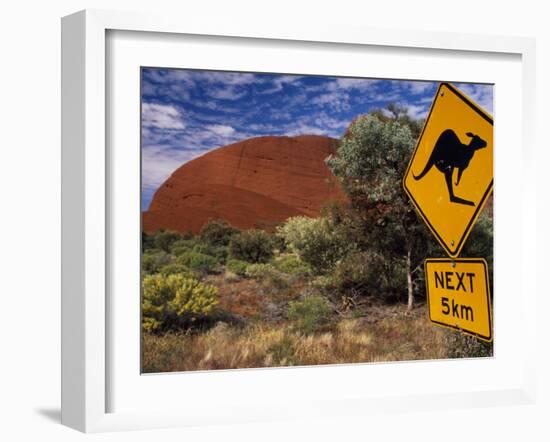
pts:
[251, 213]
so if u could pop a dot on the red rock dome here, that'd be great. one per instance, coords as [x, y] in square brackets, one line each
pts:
[255, 183]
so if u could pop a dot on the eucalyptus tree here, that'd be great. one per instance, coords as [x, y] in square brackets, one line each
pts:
[370, 162]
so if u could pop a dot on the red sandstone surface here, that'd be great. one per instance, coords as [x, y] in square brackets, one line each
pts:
[256, 183]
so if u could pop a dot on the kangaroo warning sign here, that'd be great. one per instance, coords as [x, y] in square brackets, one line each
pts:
[459, 296]
[450, 174]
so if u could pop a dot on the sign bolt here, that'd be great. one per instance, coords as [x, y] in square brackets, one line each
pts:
[452, 242]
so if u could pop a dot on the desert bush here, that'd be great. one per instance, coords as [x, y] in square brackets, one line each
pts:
[147, 241]
[217, 232]
[292, 265]
[218, 252]
[253, 246]
[279, 243]
[480, 243]
[175, 269]
[258, 271]
[460, 345]
[316, 241]
[270, 278]
[185, 242]
[198, 262]
[369, 273]
[152, 260]
[164, 239]
[309, 314]
[166, 298]
[180, 250]
[359, 273]
[236, 266]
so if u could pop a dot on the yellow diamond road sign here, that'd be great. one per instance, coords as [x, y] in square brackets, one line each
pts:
[459, 296]
[450, 175]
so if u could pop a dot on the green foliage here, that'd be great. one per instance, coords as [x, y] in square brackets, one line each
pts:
[258, 271]
[181, 246]
[372, 158]
[218, 232]
[218, 252]
[147, 241]
[292, 265]
[185, 242]
[254, 246]
[164, 239]
[369, 273]
[153, 259]
[317, 241]
[180, 250]
[268, 275]
[461, 345]
[399, 113]
[175, 269]
[198, 262]
[236, 266]
[309, 314]
[371, 162]
[174, 295]
[480, 241]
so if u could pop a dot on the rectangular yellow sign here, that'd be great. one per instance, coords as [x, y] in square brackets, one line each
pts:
[459, 296]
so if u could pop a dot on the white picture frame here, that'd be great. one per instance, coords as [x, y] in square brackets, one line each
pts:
[86, 352]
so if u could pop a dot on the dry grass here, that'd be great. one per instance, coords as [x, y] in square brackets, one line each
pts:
[398, 338]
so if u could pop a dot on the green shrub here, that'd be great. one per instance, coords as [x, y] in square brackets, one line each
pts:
[198, 262]
[164, 239]
[166, 297]
[460, 345]
[360, 272]
[480, 241]
[369, 273]
[258, 271]
[147, 241]
[316, 241]
[152, 260]
[218, 252]
[180, 250]
[270, 278]
[236, 266]
[309, 314]
[217, 232]
[252, 246]
[185, 242]
[279, 243]
[175, 269]
[292, 265]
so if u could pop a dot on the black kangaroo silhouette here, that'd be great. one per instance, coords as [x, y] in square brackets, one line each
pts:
[449, 154]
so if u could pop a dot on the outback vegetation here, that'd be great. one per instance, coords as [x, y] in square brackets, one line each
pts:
[345, 287]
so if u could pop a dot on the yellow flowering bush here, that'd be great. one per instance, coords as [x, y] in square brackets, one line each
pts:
[174, 295]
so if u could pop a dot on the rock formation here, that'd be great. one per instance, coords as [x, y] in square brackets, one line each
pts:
[256, 183]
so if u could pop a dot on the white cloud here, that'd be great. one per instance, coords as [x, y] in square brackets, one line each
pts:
[416, 112]
[221, 130]
[278, 82]
[161, 116]
[305, 129]
[418, 87]
[337, 100]
[226, 93]
[482, 94]
[158, 163]
[352, 83]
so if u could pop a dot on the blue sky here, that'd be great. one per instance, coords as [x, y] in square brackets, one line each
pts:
[186, 113]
